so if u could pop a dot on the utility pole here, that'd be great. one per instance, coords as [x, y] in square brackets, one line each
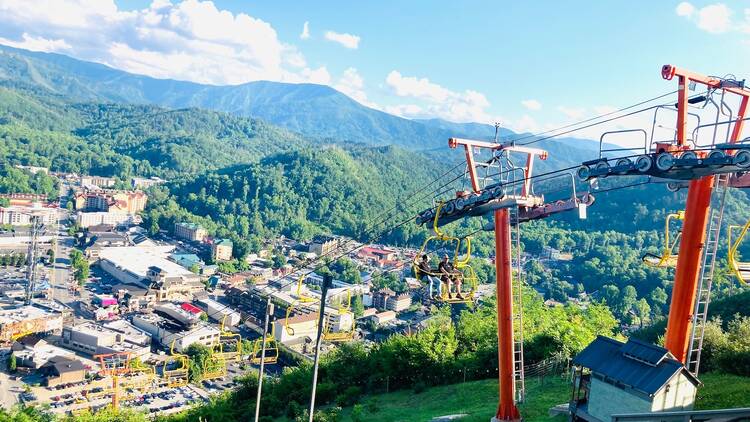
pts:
[269, 312]
[323, 292]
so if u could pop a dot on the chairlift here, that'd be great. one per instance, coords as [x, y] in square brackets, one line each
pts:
[740, 269]
[463, 273]
[668, 257]
[272, 349]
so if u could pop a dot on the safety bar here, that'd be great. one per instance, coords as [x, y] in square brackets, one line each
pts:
[612, 132]
[725, 122]
[670, 108]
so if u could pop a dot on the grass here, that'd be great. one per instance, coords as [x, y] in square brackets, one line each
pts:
[722, 391]
[477, 399]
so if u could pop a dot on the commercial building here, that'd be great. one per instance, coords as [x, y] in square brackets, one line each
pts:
[149, 267]
[296, 329]
[166, 332]
[220, 312]
[144, 183]
[34, 352]
[613, 378]
[323, 245]
[92, 339]
[384, 317]
[62, 370]
[387, 299]
[89, 219]
[100, 181]
[17, 215]
[24, 199]
[25, 320]
[128, 202]
[377, 256]
[190, 231]
[221, 250]
[177, 313]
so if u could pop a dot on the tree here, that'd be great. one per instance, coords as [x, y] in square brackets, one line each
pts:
[628, 299]
[643, 310]
[658, 298]
[358, 308]
[12, 363]
[69, 206]
[278, 261]
[195, 268]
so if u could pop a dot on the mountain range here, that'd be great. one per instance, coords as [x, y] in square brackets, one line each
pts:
[316, 111]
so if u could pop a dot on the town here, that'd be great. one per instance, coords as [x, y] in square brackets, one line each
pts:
[98, 312]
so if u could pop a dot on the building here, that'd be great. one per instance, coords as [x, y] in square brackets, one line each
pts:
[167, 332]
[62, 370]
[25, 320]
[149, 267]
[380, 257]
[383, 317]
[190, 231]
[387, 299]
[99, 181]
[115, 337]
[220, 312]
[24, 199]
[33, 169]
[323, 245]
[89, 219]
[184, 317]
[187, 260]
[92, 200]
[17, 215]
[296, 329]
[34, 352]
[613, 378]
[221, 250]
[145, 183]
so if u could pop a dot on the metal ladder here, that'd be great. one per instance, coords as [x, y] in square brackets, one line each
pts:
[517, 294]
[703, 292]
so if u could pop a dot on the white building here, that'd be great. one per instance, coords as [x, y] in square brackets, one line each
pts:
[24, 320]
[218, 312]
[88, 219]
[93, 339]
[131, 264]
[17, 215]
[175, 312]
[296, 329]
[166, 332]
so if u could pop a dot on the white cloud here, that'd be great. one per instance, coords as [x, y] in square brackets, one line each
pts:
[190, 40]
[467, 106]
[406, 110]
[29, 42]
[532, 104]
[714, 18]
[525, 124]
[685, 9]
[305, 31]
[347, 40]
[574, 113]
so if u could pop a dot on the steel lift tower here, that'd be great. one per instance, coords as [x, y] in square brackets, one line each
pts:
[511, 201]
[708, 169]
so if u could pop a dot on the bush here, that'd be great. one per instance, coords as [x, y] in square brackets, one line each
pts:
[419, 387]
[349, 396]
[358, 412]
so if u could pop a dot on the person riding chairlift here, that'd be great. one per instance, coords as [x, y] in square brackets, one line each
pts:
[425, 274]
[450, 276]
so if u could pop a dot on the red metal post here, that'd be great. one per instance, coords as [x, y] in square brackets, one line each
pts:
[682, 104]
[506, 408]
[688, 268]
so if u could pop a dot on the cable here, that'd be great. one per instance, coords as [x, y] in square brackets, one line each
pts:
[591, 118]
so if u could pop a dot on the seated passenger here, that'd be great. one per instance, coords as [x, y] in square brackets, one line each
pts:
[450, 276]
[425, 273]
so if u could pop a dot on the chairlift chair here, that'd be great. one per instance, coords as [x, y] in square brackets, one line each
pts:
[463, 271]
[272, 349]
[740, 269]
[668, 257]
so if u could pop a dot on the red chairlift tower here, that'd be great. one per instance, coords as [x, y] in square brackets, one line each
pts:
[511, 201]
[709, 169]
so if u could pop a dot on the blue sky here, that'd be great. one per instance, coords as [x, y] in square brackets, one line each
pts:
[531, 65]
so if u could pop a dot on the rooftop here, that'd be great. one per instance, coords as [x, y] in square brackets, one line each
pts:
[191, 226]
[636, 364]
[138, 259]
[22, 313]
